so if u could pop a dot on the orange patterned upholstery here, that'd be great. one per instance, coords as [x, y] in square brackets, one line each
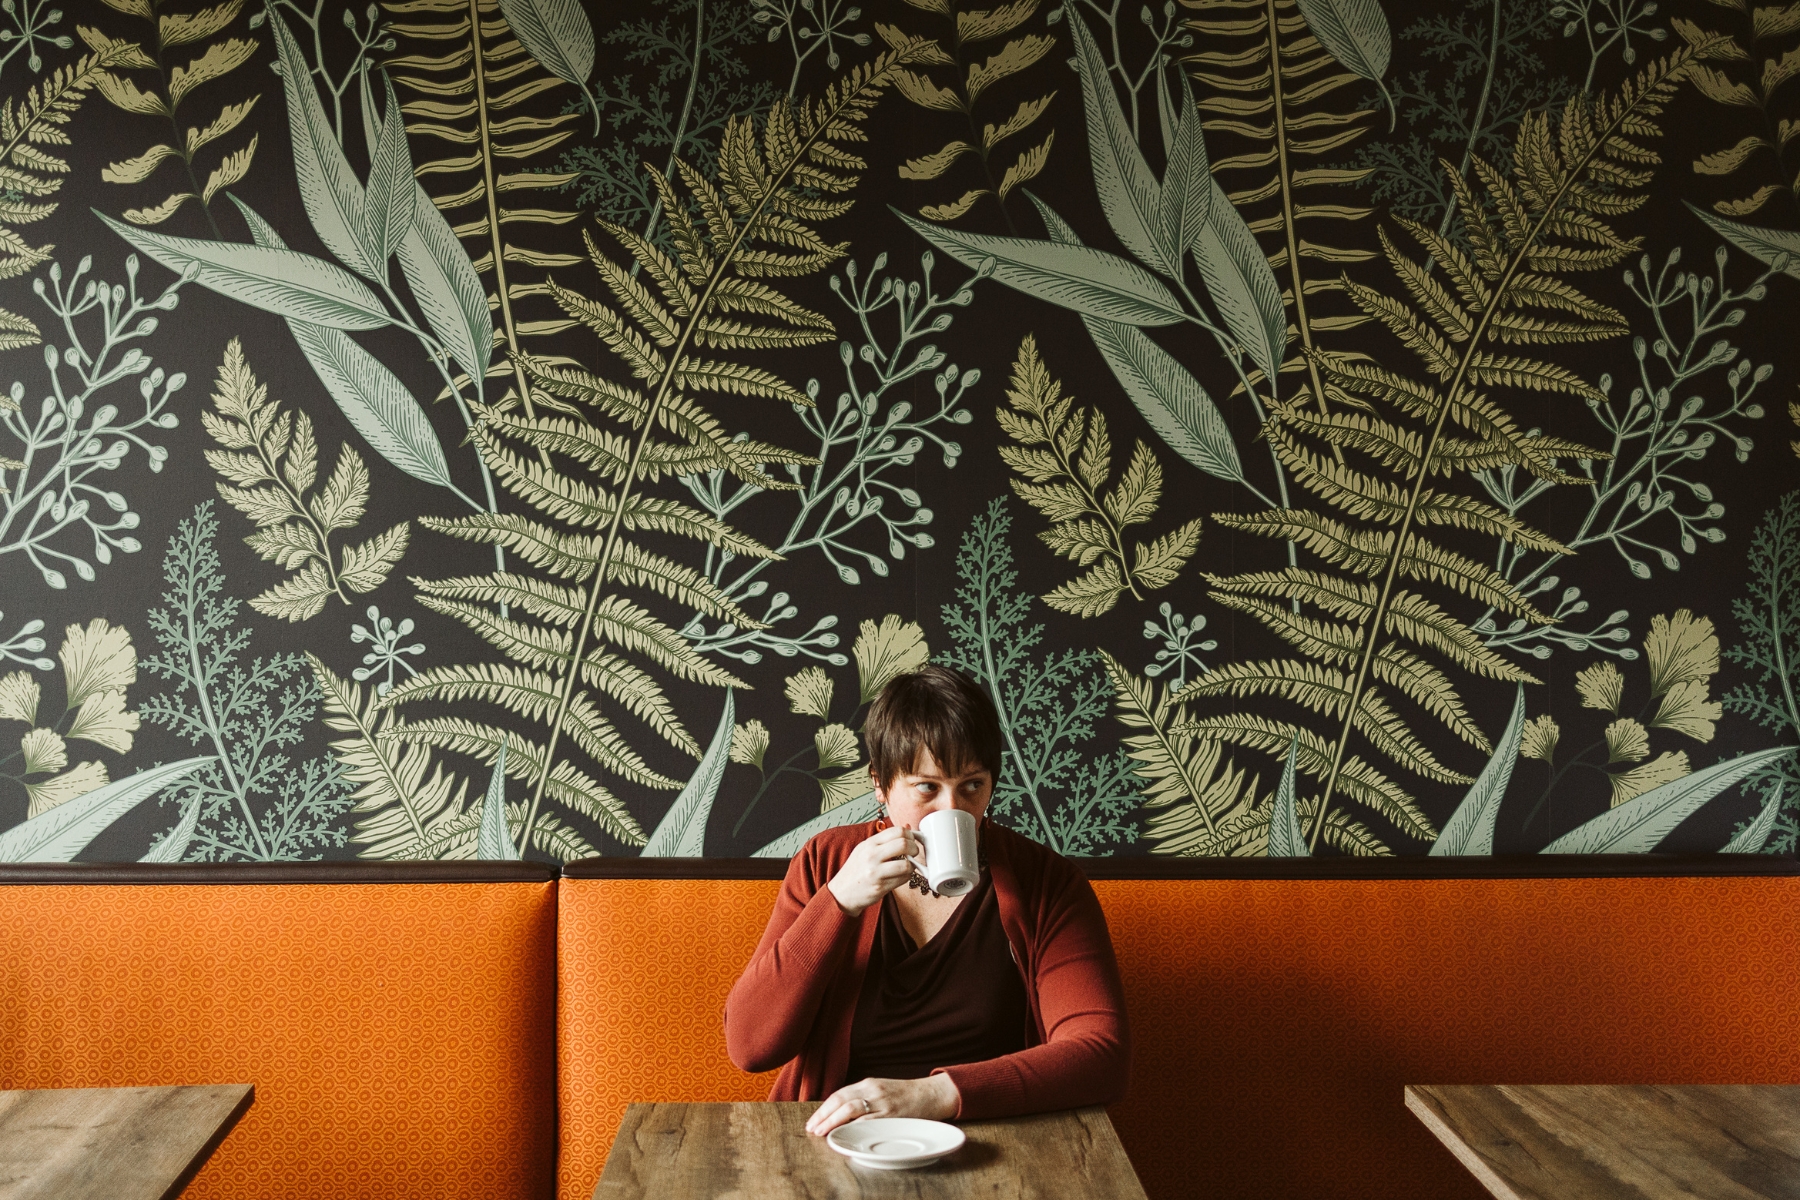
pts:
[400, 1036]
[643, 966]
[1275, 1021]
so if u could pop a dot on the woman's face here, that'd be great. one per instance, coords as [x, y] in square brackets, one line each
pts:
[928, 788]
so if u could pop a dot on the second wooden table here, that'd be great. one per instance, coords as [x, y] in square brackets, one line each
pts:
[763, 1150]
[1620, 1142]
[124, 1143]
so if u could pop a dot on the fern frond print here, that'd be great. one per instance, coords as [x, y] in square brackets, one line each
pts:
[1267, 81]
[472, 85]
[271, 461]
[1065, 457]
[1745, 72]
[170, 37]
[1549, 217]
[574, 636]
[29, 172]
[973, 69]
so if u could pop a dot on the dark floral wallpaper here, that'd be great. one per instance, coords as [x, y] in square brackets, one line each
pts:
[484, 428]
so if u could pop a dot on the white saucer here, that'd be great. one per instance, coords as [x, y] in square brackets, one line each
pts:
[895, 1143]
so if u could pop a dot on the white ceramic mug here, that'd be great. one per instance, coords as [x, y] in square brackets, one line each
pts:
[952, 863]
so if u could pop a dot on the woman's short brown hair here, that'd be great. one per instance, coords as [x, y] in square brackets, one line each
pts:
[940, 709]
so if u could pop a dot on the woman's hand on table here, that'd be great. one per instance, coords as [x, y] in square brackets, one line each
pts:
[934, 1098]
[877, 866]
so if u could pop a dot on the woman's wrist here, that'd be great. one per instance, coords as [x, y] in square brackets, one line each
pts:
[946, 1098]
[844, 906]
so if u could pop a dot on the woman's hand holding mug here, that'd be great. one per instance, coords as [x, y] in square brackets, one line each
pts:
[878, 865]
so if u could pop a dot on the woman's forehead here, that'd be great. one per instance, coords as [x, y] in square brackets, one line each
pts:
[926, 766]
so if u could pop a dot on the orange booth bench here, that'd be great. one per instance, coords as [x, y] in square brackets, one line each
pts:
[477, 1029]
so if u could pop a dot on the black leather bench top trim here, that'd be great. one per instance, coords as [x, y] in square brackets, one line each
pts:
[1530, 866]
[309, 872]
[1534, 866]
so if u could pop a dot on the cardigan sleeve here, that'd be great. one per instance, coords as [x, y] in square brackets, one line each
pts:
[1085, 1057]
[772, 1007]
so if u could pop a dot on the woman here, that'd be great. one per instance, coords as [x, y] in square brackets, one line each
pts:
[884, 999]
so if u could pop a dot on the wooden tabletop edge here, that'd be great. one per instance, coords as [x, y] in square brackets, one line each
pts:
[205, 1153]
[1424, 1106]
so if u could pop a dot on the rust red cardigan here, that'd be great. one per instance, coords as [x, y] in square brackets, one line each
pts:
[794, 1003]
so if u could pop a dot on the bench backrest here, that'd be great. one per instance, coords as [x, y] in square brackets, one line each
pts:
[1275, 1020]
[398, 1021]
[643, 968]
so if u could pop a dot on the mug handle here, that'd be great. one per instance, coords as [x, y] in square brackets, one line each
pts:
[924, 850]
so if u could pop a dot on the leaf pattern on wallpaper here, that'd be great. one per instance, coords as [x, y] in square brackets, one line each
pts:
[270, 462]
[1199, 801]
[963, 49]
[1065, 457]
[777, 183]
[476, 92]
[1571, 175]
[1160, 223]
[405, 805]
[1273, 84]
[254, 802]
[30, 172]
[1768, 619]
[1745, 65]
[1052, 787]
[882, 651]
[99, 663]
[172, 37]
[1682, 653]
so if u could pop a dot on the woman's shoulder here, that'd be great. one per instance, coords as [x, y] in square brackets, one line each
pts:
[1035, 865]
[826, 850]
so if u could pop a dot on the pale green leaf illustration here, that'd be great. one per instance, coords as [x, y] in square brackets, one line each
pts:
[1165, 392]
[883, 651]
[1078, 278]
[444, 282]
[1639, 825]
[1187, 192]
[809, 692]
[437, 267]
[17, 332]
[1285, 838]
[1765, 245]
[371, 396]
[376, 403]
[389, 201]
[559, 36]
[172, 846]
[63, 832]
[1169, 397]
[285, 282]
[682, 832]
[1754, 836]
[335, 203]
[1129, 193]
[494, 841]
[1470, 829]
[1355, 32]
[865, 807]
[1241, 282]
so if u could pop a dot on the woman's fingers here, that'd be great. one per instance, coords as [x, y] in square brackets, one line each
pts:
[840, 1108]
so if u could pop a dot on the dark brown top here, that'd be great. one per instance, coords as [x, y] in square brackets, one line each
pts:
[956, 999]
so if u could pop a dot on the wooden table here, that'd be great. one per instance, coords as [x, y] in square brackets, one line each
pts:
[1605, 1142]
[762, 1151]
[129, 1143]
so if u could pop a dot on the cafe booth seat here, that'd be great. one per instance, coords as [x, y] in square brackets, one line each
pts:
[398, 1021]
[477, 1029]
[1277, 1007]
